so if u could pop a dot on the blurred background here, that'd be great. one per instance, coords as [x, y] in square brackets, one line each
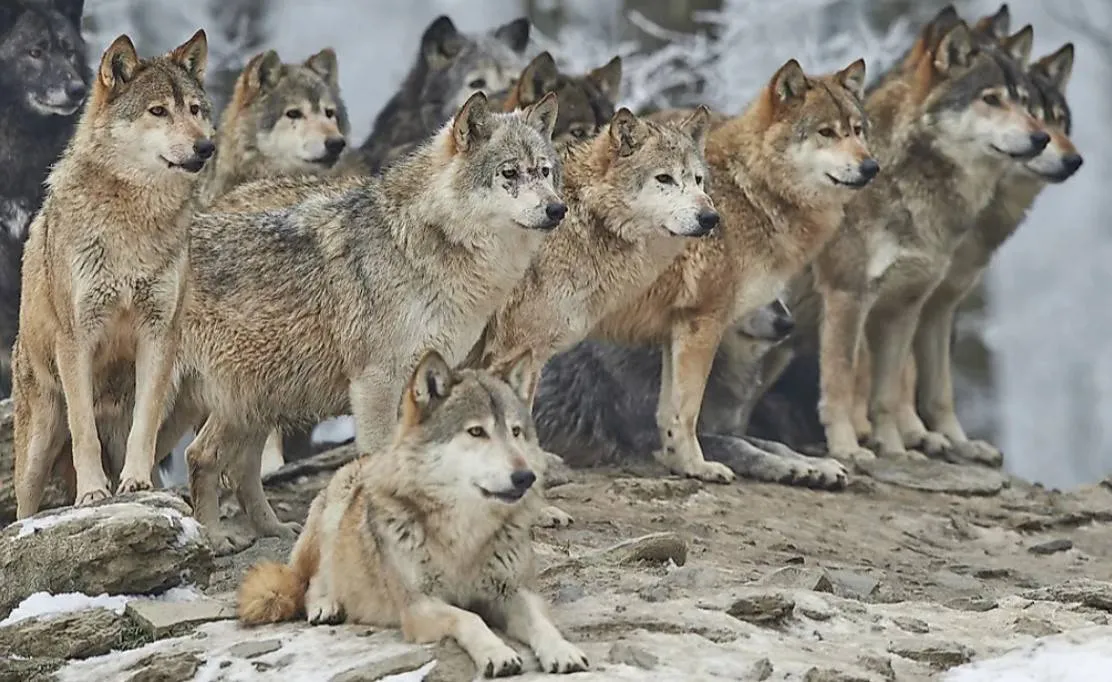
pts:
[1034, 366]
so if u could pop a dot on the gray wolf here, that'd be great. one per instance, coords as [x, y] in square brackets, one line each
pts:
[44, 77]
[450, 67]
[430, 533]
[298, 314]
[597, 403]
[105, 268]
[282, 119]
[781, 172]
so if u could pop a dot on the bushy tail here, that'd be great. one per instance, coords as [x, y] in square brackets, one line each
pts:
[271, 593]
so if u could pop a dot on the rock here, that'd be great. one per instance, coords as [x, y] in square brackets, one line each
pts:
[908, 624]
[632, 654]
[1037, 627]
[814, 579]
[80, 634]
[831, 675]
[958, 582]
[977, 604]
[1052, 547]
[813, 607]
[654, 548]
[937, 654]
[1095, 594]
[165, 667]
[28, 669]
[935, 476]
[164, 618]
[881, 665]
[761, 670]
[763, 609]
[144, 545]
[851, 585]
[392, 665]
[254, 649]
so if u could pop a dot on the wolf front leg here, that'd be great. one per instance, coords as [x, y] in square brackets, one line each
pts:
[890, 332]
[75, 370]
[374, 395]
[427, 619]
[685, 365]
[843, 317]
[527, 620]
[156, 351]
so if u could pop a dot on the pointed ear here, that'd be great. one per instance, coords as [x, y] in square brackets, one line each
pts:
[996, 25]
[535, 79]
[626, 132]
[608, 78]
[788, 82]
[1057, 66]
[440, 42]
[324, 65]
[119, 62]
[193, 55]
[929, 36]
[261, 72]
[71, 10]
[852, 78]
[697, 125]
[1018, 45]
[542, 115]
[955, 50]
[521, 374]
[515, 34]
[471, 125]
[429, 385]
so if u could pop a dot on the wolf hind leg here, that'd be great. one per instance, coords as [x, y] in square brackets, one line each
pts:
[250, 492]
[760, 460]
[203, 457]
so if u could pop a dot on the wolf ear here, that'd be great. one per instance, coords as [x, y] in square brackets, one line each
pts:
[626, 132]
[1018, 45]
[119, 62]
[955, 50]
[852, 78]
[995, 25]
[324, 65]
[430, 384]
[440, 43]
[789, 81]
[471, 125]
[535, 79]
[608, 78]
[262, 71]
[1057, 67]
[930, 34]
[521, 375]
[697, 125]
[515, 34]
[193, 55]
[542, 115]
[70, 9]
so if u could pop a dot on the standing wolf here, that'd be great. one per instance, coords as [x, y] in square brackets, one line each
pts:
[44, 77]
[431, 531]
[449, 68]
[106, 265]
[282, 119]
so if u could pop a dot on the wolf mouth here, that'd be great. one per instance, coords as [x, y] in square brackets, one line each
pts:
[190, 166]
[56, 109]
[508, 496]
[1018, 155]
[856, 185]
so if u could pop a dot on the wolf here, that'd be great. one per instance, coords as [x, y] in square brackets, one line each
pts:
[781, 172]
[282, 119]
[430, 533]
[44, 77]
[450, 67]
[106, 265]
[302, 313]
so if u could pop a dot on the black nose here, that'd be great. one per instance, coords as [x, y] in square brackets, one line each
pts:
[522, 480]
[204, 148]
[1039, 140]
[556, 212]
[335, 145]
[76, 91]
[869, 168]
[1072, 162]
[708, 220]
[783, 326]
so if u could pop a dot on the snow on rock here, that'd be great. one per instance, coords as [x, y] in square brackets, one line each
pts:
[1079, 656]
[45, 605]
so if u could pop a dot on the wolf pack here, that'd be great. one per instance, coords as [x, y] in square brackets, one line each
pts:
[512, 270]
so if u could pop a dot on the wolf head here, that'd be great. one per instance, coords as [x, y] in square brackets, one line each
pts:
[1049, 76]
[468, 434]
[656, 172]
[815, 128]
[771, 323]
[43, 68]
[294, 113]
[586, 102]
[150, 116]
[973, 100]
[457, 65]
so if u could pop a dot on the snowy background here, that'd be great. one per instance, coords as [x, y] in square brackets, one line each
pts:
[1036, 371]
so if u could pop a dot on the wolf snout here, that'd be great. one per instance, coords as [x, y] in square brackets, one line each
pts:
[204, 148]
[707, 220]
[523, 479]
[1072, 163]
[335, 145]
[556, 212]
[1039, 140]
[869, 168]
[783, 327]
[76, 91]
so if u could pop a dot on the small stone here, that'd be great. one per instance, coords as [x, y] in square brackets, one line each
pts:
[761, 670]
[1095, 594]
[976, 604]
[814, 579]
[76, 635]
[881, 665]
[1037, 627]
[813, 607]
[763, 609]
[393, 665]
[655, 593]
[159, 618]
[1052, 547]
[937, 654]
[636, 655]
[831, 675]
[851, 585]
[914, 625]
[993, 573]
[654, 548]
[254, 649]
[165, 667]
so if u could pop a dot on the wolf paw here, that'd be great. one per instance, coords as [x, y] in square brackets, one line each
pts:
[499, 661]
[821, 473]
[91, 496]
[554, 517]
[853, 455]
[709, 472]
[131, 484]
[562, 657]
[325, 612]
[978, 451]
[288, 530]
[225, 541]
[929, 443]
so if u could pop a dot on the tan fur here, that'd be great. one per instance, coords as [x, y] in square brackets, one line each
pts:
[777, 212]
[105, 269]
[386, 546]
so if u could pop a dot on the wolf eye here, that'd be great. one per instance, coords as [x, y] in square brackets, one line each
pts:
[35, 52]
[828, 132]
[699, 180]
[477, 432]
[858, 129]
[665, 179]
[330, 113]
[194, 109]
[991, 99]
[477, 84]
[516, 431]
[545, 171]
[157, 111]
[510, 173]
[294, 114]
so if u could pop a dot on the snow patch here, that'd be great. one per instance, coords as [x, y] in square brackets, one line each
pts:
[1079, 656]
[34, 525]
[190, 528]
[46, 606]
[417, 675]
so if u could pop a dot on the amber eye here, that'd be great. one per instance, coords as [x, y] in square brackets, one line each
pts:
[510, 173]
[477, 432]
[157, 111]
[665, 179]
[991, 99]
[294, 114]
[828, 132]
